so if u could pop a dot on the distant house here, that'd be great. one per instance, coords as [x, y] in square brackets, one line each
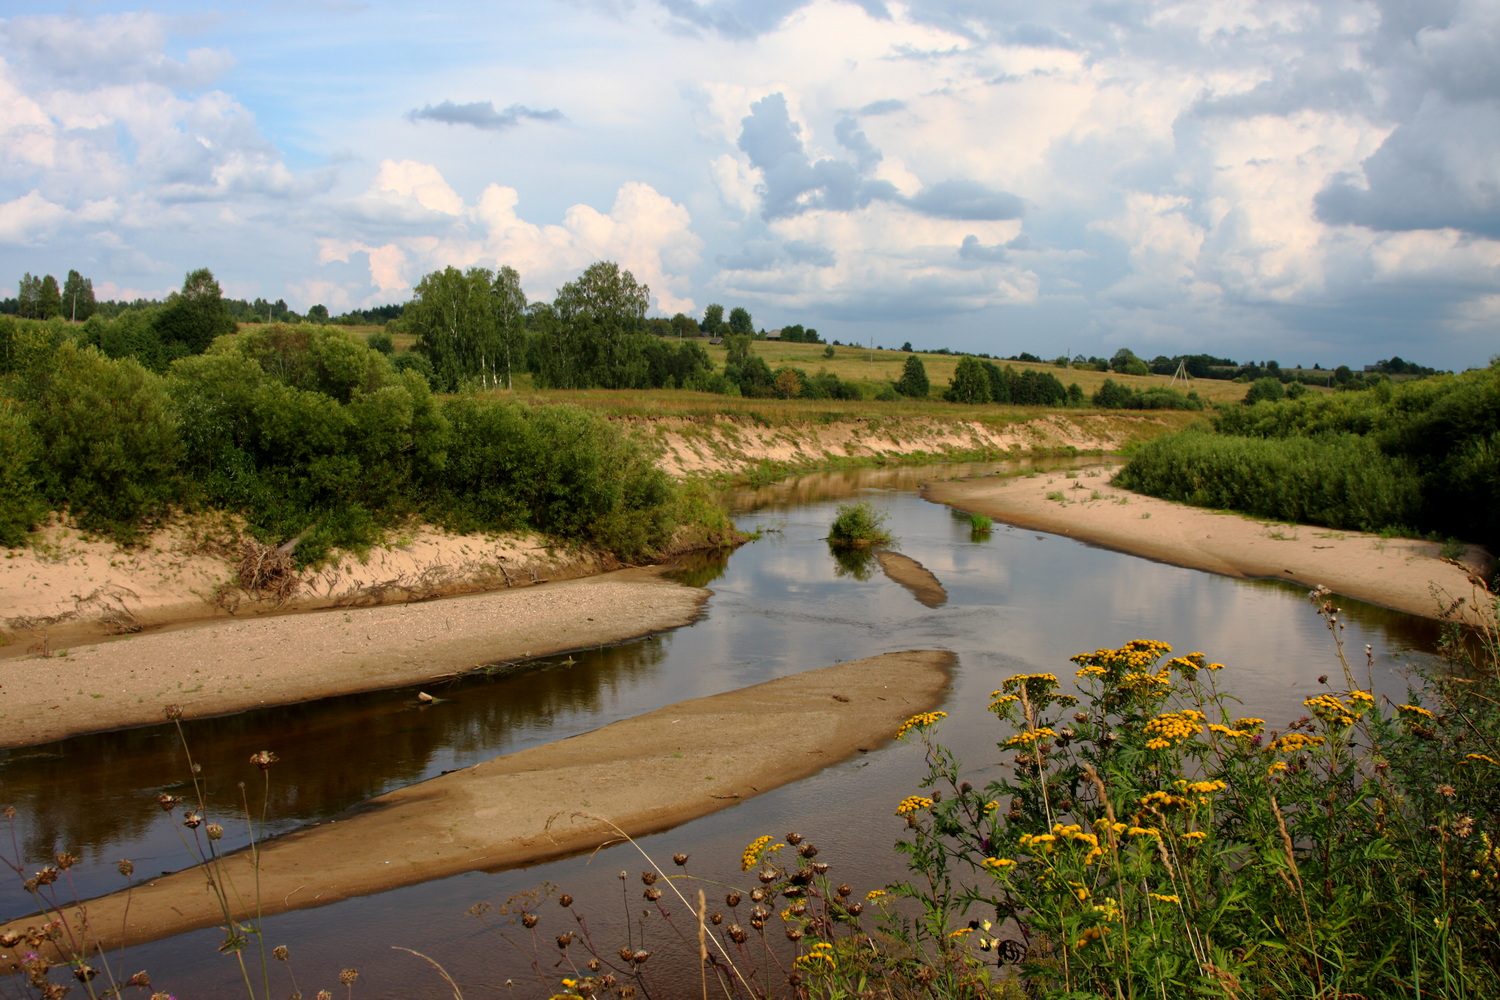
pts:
[716, 341]
[773, 334]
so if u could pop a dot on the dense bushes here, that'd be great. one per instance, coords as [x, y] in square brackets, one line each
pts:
[1114, 396]
[1428, 453]
[310, 435]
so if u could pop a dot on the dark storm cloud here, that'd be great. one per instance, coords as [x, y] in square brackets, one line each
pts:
[794, 183]
[481, 115]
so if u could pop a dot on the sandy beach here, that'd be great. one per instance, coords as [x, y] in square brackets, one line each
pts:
[641, 775]
[236, 664]
[1401, 573]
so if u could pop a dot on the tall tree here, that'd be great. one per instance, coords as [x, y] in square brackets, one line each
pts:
[454, 319]
[970, 383]
[510, 322]
[605, 311]
[48, 299]
[193, 317]
[713, 319]
[318, 314]
[740, 322]
[683, 326]
[26, 296]
[913, 381]
[78, 297]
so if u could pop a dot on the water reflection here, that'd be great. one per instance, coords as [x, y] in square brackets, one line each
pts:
[1018, 601]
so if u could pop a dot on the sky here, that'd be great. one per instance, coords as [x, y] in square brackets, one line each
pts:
[1314, 182]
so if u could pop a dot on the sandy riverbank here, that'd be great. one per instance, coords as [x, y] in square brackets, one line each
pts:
[230, 666]
[1399, 573]
[643, 774]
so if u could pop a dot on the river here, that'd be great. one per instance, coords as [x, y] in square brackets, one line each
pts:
[1018, 601]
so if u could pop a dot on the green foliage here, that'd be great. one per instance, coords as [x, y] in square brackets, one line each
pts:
[858, 525]
[454, 318]
[913, 382]
[194, 316]
[1340, 481]
[1114, 396]
[970, 383]
[78, 297]
[740, 322]
[1436, 441]
[21, 507]
[1145, 842]
[108, 432]
[593, 334]
[980, 523]
[1265, 389]
[556, 469]
[382, 342]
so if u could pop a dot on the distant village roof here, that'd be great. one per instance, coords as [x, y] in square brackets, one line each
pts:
[773, 334]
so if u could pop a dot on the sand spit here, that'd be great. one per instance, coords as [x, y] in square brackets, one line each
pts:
[643, 774]
[231, 666]
[1400, 573]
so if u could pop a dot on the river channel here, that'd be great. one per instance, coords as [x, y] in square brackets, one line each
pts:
[1017, 601]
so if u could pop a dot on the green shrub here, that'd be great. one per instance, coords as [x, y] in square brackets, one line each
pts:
[858, 525]
[980, 523]
[20, 505]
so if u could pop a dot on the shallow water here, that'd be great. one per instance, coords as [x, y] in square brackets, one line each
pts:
[1017, 601]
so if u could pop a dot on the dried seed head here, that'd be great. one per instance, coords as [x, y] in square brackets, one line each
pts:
[757, 894]
[793, 933]
[563, 940]
[808, 850]
[263, 759]
[757, 923]
[843, 890]
[639, 958]
[680, 859]
[652, 893]
[565, 901]
[173, 712]
[528, 920]
[855, 909]
[716, 918]
[126, 868]
[191, 820]
[794, 839]
[648, 877]
[140, 979]
[324, 995]
[47, 876]
[736, 933]
[798, 908]
[168, 802]
[732, 899]
[767, 876]
[626, 953]
[214, 831]
[83, 972]
[280, 952]
[595, 965]
[348, 976]
[819, 867]
[760, 913]
[65, 860]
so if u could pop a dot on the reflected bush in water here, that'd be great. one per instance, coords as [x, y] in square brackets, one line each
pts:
[858, 563]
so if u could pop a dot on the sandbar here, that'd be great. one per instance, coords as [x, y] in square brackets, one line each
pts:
[237, 664]
[640, 775]
[1401, 573]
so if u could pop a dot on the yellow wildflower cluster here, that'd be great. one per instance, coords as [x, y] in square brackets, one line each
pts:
[1332, 711]
[875, 894]
[1235, 733]
[1092, 670]
[1189, 665]
[1250, 723]
[1415, 710]
[1163, 800]
[1074, 832]
[1143, 831]
[1044, 841]
[919, 721]
[1479, 756]
[1195, 835]
[1166, 898]
[751, 857]
[819, 954]
[1036, 686]
[999, 700]
[1295, 742]
[1171, 728]
[911, 804]
[1031, 736]
[997, 863]
[1200, 787]
[991, 806]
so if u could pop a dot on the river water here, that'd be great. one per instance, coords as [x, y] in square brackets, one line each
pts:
[1018, 601]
